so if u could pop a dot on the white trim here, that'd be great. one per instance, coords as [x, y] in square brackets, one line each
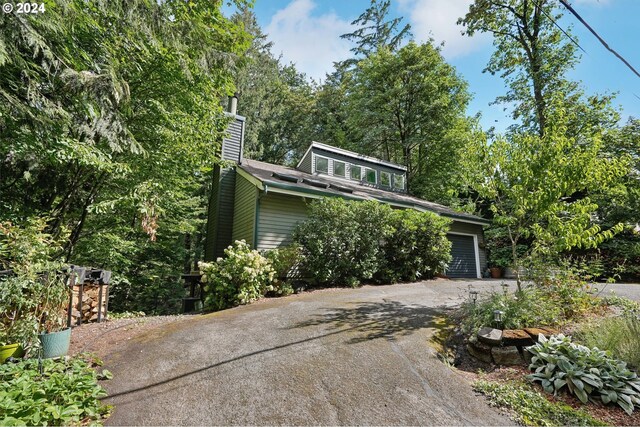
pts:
[365, 176]
[314, 164]
[458, 219]
[305, 155]
[476, 249]
[351, 166]
[333, 168]
[352, 154]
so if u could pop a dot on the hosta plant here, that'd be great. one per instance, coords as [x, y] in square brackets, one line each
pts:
[588, 373]
[241, 277]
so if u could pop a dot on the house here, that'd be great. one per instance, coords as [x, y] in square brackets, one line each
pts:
[262, 202]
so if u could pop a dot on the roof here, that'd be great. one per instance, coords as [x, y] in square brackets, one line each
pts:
[352, 154]
[304, 184]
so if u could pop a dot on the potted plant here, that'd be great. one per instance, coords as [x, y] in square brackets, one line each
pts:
[35, 293]
[55, 334]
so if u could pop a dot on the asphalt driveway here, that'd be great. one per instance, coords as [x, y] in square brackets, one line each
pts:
[334, 357]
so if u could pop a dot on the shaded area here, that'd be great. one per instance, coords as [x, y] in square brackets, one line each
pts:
[372, 320]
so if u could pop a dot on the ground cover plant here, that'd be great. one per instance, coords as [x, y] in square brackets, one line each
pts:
[65, 393]
[530, 407]
[588, 373]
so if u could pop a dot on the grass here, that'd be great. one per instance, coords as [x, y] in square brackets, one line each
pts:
[617, 335]
[530, 407]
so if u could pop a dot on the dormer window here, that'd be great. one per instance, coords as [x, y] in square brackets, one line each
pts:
[339, 168]
[398, 182]
[322, 164]
[385, 179]
[370, 176]
[356, 173]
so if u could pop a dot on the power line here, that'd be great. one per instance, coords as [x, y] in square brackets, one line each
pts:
[566, 4]
[574, 41]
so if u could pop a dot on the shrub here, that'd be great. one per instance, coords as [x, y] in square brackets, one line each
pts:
[241, 277]
[568, 285]
[347, 242]
[587, 373]
[617, 335]
[340, 240]
[34, 296]
[286, 264]
[67, 393]
[527, 308]
[416, 247]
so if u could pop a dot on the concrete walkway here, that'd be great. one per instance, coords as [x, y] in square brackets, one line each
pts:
[332, 357]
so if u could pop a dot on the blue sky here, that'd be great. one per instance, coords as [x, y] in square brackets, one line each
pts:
[307, 33]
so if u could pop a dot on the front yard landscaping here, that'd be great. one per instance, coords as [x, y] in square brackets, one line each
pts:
[588, 378]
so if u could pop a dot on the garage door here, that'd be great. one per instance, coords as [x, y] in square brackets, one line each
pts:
[463, 253]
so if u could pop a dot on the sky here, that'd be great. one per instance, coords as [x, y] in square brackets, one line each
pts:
[307, 33]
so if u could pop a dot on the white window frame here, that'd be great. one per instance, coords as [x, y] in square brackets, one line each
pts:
[351, 166]
[366, 169]
[315, 164]
[334, 168]
[393, 184]
[476, 249]
[389, 175]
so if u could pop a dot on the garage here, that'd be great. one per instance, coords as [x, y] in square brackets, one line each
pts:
[465, 262]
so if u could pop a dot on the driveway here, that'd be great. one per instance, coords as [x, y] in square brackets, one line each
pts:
[331, 357]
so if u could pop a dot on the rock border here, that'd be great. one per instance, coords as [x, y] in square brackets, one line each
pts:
[505, 347]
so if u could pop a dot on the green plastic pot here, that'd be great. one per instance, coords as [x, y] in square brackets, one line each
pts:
[10, 350]
[55, 344]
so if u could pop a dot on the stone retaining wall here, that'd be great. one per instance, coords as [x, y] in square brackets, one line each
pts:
[505, 347]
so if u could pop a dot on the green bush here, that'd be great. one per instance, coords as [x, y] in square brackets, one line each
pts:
[417, 246]
[340, 240]
[620, 336]
[34, 296]
[241, 277]
[347, 242]
[286, 264]
[67, 393]
[528, 308]
[586, 372]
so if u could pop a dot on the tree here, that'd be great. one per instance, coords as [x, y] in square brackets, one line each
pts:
[112, 122]
[376, 31]
[531, 53]
[532, 182]
[409, 107]
[276, 99]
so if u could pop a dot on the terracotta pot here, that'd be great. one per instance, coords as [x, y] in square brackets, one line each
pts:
[496, 272]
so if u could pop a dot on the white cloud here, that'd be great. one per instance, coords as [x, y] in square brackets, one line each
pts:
[437, 19]
[313, 43]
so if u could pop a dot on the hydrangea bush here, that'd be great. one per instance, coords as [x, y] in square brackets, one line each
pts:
[241, 277]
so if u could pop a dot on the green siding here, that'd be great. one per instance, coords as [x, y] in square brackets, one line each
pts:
[245, 210]
[465, 227]
[279, 214]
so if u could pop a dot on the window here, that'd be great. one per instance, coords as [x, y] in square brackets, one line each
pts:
[370, 175]
[385, 179]
[356, 172]
[398, 182]
[322, 164]
[339, 168]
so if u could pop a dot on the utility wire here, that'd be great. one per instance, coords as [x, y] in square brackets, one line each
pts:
[566, 4]
[574, 41]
